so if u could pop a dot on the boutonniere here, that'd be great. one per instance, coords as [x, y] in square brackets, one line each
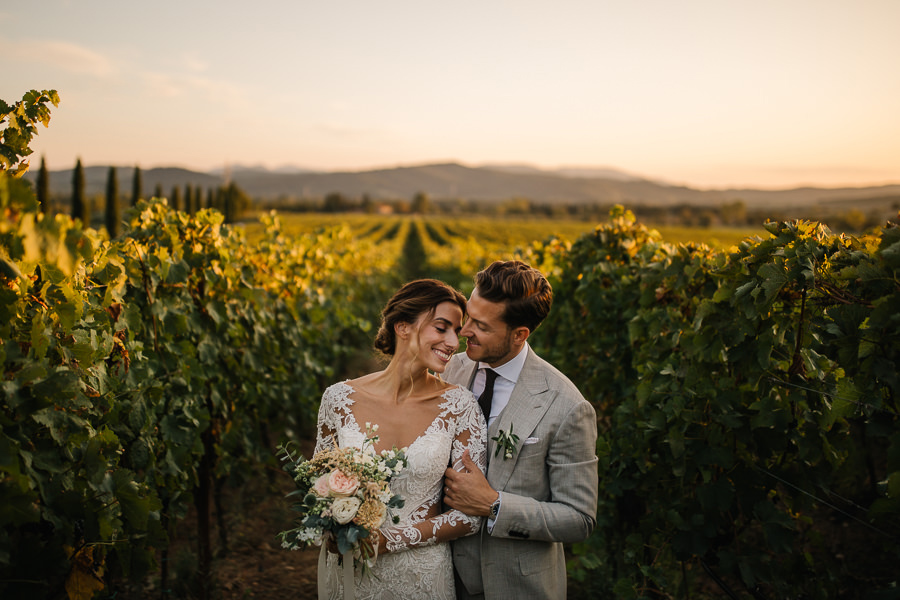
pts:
[506, 442]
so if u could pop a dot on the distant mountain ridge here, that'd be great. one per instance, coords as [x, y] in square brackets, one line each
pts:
[585, 172]
[455, 181]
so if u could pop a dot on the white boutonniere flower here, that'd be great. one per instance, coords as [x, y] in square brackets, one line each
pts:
[506, 442]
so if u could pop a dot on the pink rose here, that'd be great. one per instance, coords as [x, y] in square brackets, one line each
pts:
[341, 484]
[320, 487]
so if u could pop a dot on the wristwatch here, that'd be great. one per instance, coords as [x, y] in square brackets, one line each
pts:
[495, 508]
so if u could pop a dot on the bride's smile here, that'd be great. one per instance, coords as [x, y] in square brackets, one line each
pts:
[439, 332]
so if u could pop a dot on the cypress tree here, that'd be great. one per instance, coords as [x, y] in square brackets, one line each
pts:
[188, 199]
[137, 185]
[80, 208]
[210, 198]
[175, 200]
[421, 203]
[113, 213]
[157, 191]
[43, 187]
[228, 203]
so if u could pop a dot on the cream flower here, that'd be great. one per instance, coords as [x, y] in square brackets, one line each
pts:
[344, 509]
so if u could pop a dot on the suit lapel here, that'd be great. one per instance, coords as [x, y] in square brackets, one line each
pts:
[529, 401]
[470, 376]
[461, 371]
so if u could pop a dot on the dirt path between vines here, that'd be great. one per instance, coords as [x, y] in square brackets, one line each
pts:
[257, 566]
[254, 566]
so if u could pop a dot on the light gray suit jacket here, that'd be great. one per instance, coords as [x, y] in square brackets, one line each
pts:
[549, 487]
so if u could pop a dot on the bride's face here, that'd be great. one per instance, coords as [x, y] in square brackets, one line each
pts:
[437, 336]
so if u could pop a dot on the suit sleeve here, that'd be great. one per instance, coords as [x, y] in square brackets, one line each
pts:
[570, 464]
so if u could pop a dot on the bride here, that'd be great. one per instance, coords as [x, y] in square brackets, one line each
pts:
[435, 421]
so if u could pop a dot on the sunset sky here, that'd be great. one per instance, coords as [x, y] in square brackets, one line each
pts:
[709, 93]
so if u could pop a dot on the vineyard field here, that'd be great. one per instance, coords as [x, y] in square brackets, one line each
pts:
[745, 382]
[745, 385]
[507, 232]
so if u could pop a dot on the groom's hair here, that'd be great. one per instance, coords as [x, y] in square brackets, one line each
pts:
[523, 290]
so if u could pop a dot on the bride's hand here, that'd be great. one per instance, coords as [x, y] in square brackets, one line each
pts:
[379, 542]
[375, 540]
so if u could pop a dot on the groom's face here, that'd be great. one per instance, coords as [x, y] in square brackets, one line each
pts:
[488, 338]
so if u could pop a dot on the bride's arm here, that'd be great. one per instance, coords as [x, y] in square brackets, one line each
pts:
[471, 435]
[326, 427]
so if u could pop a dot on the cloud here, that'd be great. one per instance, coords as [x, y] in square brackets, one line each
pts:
[65, 56]
[195, 64]
[204, 89]
[340, 130]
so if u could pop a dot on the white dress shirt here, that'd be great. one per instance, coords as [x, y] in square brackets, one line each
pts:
[507, 376]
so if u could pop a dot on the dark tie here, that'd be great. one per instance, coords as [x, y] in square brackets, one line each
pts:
[484, 400]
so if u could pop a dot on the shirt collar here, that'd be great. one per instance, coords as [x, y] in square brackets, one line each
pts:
[511, 369]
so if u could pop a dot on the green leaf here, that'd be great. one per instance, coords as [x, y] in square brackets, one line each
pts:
[135, 507]
[891, 255]
[9, 457]
[59, 423]
[61, 383]
[774, 278]
[715, 496]
[893, 485]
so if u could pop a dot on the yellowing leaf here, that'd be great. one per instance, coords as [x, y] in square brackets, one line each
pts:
[85, 578]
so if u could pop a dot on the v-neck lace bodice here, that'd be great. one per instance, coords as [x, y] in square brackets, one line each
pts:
[417, 566]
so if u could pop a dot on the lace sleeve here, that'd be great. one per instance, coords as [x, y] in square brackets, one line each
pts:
[327, 425]
[471, 435]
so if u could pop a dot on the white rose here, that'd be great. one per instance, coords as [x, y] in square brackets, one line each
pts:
[344, 509]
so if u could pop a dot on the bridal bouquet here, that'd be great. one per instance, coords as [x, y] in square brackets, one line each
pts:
[343, 492]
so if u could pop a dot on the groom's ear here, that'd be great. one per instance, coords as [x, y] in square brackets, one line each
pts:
[520, 335]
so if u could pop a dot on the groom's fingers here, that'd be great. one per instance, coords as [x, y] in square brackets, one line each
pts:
[452, 480]
[451, 475]
[469, 491]
[461, 462]
[468, 463]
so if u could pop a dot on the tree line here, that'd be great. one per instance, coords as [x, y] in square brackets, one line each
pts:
[735, 213]
[106, 210]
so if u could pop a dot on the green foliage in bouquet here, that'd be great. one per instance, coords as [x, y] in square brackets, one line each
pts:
[344, 493]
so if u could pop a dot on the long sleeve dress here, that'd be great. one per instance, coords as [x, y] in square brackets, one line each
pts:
[418, 566]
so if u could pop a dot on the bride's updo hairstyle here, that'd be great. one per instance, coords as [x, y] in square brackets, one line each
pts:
[409, 303]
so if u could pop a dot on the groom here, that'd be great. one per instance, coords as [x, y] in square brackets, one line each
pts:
[540, 488]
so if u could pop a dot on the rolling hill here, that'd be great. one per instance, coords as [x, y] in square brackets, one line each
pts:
[486, 184]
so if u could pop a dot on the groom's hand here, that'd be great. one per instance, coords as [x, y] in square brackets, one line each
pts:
[468, 490]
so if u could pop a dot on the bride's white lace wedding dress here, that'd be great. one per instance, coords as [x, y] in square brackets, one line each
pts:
[418, 567]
